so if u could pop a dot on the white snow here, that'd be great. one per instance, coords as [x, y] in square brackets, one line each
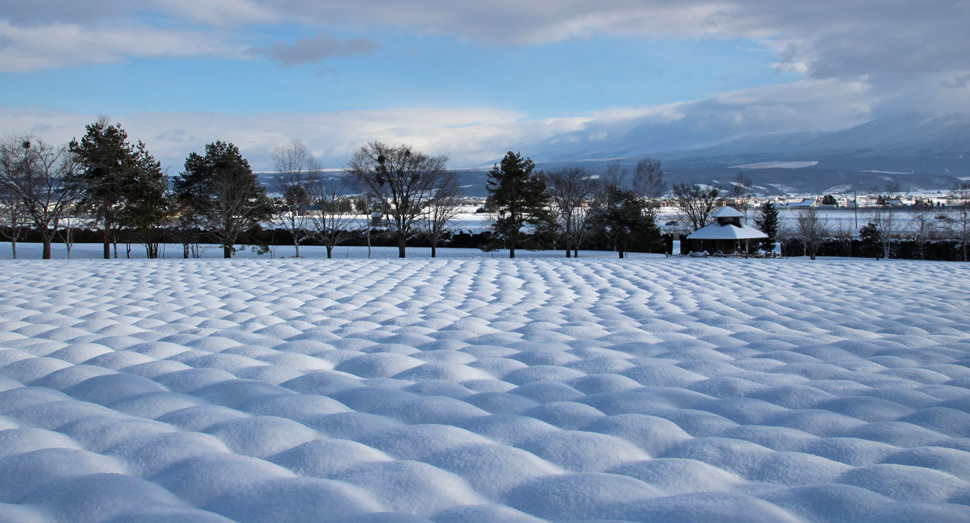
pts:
[472, 389]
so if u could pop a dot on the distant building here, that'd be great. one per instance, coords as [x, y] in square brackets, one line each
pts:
[725, 234]
[804, 204]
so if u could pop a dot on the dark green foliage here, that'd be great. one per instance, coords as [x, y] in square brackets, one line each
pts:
[124, 185]
[872, 241]
[220, 191]
[767, 223]
[624, 221]
[828, 199]
[520, 198]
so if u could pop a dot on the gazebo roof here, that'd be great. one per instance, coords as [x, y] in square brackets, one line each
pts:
[727, 212]
[716, 231]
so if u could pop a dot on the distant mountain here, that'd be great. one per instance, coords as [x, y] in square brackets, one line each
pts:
[905, 135]
[917, 152]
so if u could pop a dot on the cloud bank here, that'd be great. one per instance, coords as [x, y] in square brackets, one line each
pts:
[475, 137]
[859, 60]
[826, 38]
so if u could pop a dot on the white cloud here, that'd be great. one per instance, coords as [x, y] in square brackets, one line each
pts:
[887, 42]
[824, 37]
[479, 136]
[218, 13]
[68, 45]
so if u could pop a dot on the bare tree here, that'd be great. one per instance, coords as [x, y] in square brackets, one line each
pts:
[12, 216]
[44, 178]
[75, 218]
[614, 175]
[741, 191]
[441, 208]
[364, 212]
[648, 180]
[572, 190]
[696, 204]
[958, 203]
[332, 215]
[887, 221]
[297, 174]
[400, 180]
[923, 227]
[812, 229]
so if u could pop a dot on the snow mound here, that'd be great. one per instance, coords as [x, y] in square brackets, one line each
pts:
[478, 390]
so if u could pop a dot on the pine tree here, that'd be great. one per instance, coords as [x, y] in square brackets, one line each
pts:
[871, 240]
[521, 200]
[147, 206]
[105, 157]
[223, 191]
[768, 224]
[624, 221]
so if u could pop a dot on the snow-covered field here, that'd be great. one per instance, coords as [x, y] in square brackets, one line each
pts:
[484, 390]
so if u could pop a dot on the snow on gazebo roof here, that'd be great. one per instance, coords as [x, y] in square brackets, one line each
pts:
[716, 231]
[727, 226]
[727, 212]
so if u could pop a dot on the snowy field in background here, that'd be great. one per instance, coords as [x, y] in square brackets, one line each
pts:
[484, 390]
[95, 251]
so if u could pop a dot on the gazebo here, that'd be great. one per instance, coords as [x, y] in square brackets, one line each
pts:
[724, 234]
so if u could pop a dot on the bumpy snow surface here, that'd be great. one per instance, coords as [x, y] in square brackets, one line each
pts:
[483, 390]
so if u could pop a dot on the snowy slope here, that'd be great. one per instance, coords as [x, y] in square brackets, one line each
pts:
[479, 390]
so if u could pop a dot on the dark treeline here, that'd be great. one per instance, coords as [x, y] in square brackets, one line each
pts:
[902, 249]
[260, 239]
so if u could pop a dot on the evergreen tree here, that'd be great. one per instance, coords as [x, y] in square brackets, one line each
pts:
[222, 190]
[105, 157]
[147, 205]
[521, 201]
[625, 221]
[768, 224]
[871, 240]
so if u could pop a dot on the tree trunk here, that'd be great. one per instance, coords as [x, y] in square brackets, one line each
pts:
[512, 251]
[13, 246]
[569, 251]
[576, 252]
[47, 245]
[227, 251]
[296, 244]
[620, 250]
[185, 251]
[401, 240]
[329, 251]
[107, 242]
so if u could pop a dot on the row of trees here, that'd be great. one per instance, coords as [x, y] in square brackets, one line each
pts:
[104, 182]
[118, 186]
[885, 225]
[531, 209]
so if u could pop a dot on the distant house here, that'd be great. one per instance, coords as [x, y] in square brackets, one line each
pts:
[804, 204]
[725, 234]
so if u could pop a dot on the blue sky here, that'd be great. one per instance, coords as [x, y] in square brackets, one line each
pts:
[549, 80]
[469, 80]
